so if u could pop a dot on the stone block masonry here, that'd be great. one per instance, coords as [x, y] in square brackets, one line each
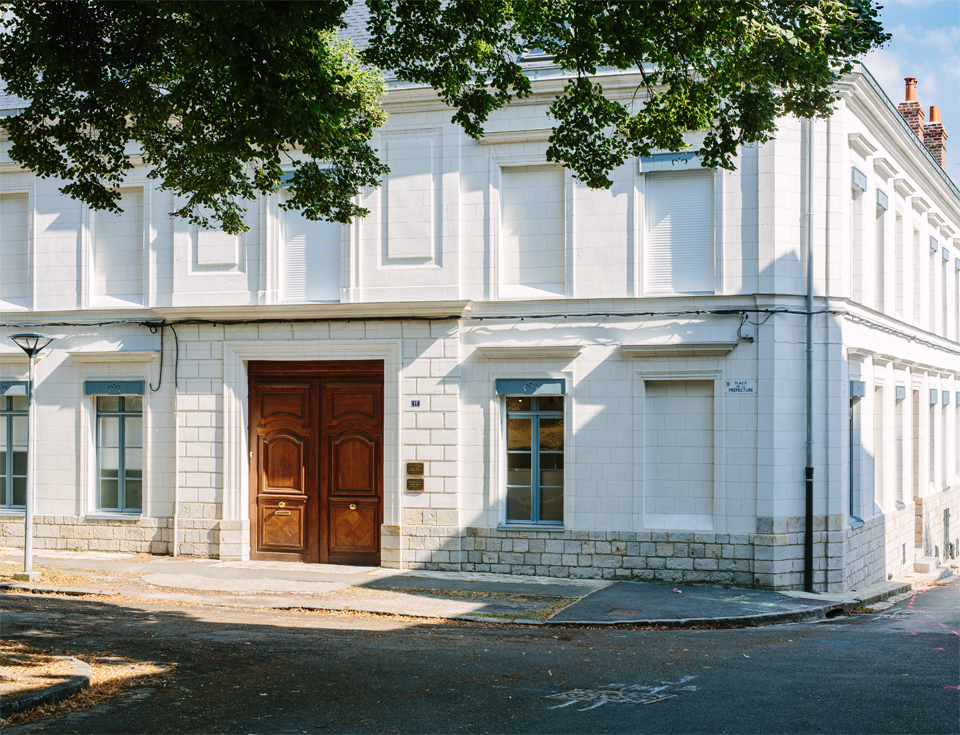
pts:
[199, 537]
[651, 556]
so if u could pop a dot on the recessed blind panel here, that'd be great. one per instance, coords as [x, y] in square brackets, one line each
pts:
[679, 250]
[118, 249]
[533, 251]
[311, 258]
[14, 262]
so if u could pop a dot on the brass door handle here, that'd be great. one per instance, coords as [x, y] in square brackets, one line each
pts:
[353, 506]
[281, 504]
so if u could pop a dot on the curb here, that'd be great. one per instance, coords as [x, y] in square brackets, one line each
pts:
[750, 621]
[78, 681]
[46, 589]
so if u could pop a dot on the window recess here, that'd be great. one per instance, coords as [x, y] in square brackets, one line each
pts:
[119, 444]
[310, 257]
[13, 445]
[535, 468]
[679, 252]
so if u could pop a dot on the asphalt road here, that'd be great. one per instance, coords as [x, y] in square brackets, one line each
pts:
[281, 672]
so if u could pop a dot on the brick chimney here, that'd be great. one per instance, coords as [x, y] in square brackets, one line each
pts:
[935, 138]
[910, 109]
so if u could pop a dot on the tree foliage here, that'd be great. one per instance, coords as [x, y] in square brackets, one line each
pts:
[216, 95]
[730, 68]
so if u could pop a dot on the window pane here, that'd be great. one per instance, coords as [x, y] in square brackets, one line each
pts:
[133, 403]
[19, 431]
[3, 434]
[518, 504]
[551, 503]
[551, 403]
[20, 403]
[108, 403]
[133, 431]
[19, 491]
[551, 434]
[109, 463]
[133, 461]
[133, 495]
[518, 434]
[109, 431]
[3, 489]
[551, 475]
[19, 463]
[518, 469]
[109, 494]
[518, 403]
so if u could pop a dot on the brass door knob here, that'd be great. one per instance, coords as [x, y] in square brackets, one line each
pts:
[353, 506]
[281, 504]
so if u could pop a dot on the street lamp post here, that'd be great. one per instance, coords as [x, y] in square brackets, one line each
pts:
[32, 344]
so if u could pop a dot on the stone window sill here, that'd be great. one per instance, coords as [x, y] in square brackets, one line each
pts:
[529, 527]
[132, 517]
[12, 512]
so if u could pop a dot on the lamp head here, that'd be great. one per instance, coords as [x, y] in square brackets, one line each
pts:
[30, 342]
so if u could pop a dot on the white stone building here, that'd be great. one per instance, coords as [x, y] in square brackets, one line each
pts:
[369, 393]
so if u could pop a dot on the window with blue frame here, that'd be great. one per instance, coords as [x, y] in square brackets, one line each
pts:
[120, 453]
[535, 459]
[13, 451]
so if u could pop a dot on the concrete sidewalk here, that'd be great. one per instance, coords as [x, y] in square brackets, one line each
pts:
[464, 596]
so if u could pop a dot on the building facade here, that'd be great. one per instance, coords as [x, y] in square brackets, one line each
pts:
[502, 370]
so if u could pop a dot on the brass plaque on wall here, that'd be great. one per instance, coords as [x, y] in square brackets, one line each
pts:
[414, 483]
[414, 468]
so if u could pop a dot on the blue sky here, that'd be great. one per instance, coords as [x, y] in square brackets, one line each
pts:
[925, 45]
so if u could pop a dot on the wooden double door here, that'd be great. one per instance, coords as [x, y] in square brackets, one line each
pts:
[316, 461]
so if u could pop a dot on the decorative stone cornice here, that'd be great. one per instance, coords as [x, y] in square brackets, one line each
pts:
[516, 136]
[114, 355]
[883, 167]
[861, 145]
[531, 352]
[678, 349]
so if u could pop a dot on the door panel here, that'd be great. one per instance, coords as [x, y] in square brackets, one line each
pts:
[354, 528]
[283, 526]
[352, 401]
[354, 462]
[283, 463]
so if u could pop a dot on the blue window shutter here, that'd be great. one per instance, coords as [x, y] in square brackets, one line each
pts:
[859, 179]
[547, 387]
[113, 387]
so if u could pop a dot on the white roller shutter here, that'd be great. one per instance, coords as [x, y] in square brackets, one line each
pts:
[311, 258]
[679, 249]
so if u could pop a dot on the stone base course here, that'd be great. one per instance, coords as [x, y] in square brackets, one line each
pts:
[199, 537]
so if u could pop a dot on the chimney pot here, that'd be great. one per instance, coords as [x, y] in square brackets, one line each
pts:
[911, 93]
[934, 114]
